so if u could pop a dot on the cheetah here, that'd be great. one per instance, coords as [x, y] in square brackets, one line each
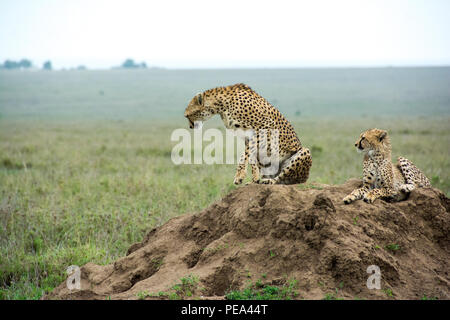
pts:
[241, 108]
[381, 178]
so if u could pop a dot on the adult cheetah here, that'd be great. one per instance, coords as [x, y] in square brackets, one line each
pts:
[242, 108]
[382, 179]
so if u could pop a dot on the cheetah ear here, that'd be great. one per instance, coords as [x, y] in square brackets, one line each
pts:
[200, 98]
[382, 135]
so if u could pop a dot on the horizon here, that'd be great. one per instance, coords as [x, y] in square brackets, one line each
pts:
[74, 67]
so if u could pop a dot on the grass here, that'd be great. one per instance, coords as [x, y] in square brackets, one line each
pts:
[393, 247]
[334, 295]
[88, 196]
[185, 289]
[84, 175]
[299, 93]
[90, 190]
[260, 291]
[425, 297]
[389, 293]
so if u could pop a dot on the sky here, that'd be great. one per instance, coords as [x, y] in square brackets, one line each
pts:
[228, 33]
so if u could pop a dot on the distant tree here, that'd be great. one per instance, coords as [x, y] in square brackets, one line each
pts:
[81, 68]
[22, 64]
[9, 64]
[25, 63]
[47, 65]
[130, 64]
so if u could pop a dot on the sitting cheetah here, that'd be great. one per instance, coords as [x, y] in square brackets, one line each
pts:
[381, 178]
[242, 108]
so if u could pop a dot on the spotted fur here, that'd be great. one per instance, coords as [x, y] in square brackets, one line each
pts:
[242, 108]
[381, 178]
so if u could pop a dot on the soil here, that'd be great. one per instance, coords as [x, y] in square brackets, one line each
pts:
[278, 233]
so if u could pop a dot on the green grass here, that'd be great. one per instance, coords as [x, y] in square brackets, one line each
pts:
[298, 93]
[186, 287]
[90, 190]
[83, 175]
[88, 195]
[389, 293]
[334, 295]
[183, 290]
[425, 297]
[259, 291]
[393, 247]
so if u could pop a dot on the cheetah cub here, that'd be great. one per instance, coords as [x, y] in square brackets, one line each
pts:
[241, 108]
[381, 178]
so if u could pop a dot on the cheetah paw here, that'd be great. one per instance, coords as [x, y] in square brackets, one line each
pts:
[348, 199]
[267, 181]
[369, 199]
[407, 188]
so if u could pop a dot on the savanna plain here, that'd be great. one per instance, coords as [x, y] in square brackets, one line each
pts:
[85, 155]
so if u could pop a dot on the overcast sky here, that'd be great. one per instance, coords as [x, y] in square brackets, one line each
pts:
[229, 33]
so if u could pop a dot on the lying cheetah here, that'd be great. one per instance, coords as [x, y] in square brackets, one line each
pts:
[242, 108]
[381, 178]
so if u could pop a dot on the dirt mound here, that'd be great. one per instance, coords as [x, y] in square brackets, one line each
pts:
[269, 235]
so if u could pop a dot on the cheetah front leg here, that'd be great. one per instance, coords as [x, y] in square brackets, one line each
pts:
[241, 170]
[374, 194]
[368, 195]
[360, 193]
[249, 155]
[253, 149]
[357, 194]
[387, 184]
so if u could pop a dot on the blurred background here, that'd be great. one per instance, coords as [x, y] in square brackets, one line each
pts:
[90, 92]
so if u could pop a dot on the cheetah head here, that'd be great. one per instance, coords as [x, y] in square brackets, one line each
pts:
[373, 140]
[197, 112]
